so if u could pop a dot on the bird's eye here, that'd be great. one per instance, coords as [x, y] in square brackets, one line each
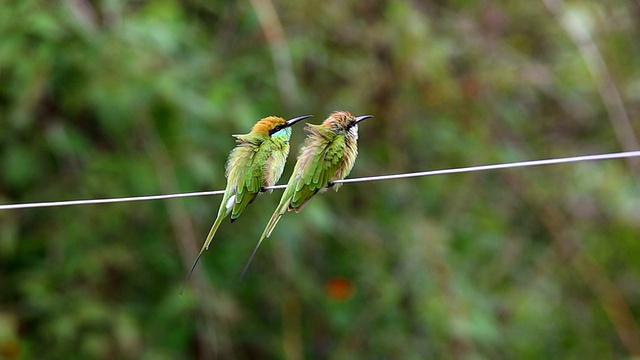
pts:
[275, 129]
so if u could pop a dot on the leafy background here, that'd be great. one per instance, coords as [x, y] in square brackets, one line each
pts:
[119, 98]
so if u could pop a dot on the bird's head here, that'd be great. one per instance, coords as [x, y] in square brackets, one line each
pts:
[276, 126]
[343, 121]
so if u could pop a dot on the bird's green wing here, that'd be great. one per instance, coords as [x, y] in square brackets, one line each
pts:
[244, 173]
[316, 172]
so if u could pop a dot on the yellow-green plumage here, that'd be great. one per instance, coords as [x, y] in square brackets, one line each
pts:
[328, 154]
[256, 162]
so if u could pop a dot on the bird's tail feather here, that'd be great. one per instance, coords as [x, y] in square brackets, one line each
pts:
[265, 234]
[273, 222]
[205, 246]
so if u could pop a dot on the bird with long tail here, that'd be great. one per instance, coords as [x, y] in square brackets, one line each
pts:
[328, 154]
[257, 161]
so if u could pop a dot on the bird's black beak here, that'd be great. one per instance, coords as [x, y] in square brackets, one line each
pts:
[295, 120]
[363, 117]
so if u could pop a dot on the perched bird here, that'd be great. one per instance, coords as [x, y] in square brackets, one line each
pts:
[328, 154]
[257, 161]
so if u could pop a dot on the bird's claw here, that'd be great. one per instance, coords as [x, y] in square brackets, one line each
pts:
[330, 184]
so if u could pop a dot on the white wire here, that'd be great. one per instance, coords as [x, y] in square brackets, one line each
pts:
[104, 201]
[626, 154]
[520, 164]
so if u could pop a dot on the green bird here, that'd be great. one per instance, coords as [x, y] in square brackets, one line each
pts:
[257, 161]
[328, 154]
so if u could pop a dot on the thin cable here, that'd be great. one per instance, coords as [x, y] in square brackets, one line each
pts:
[619, 155]
[626, 154]
[104, 201]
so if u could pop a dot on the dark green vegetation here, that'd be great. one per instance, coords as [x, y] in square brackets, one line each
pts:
[110, 98]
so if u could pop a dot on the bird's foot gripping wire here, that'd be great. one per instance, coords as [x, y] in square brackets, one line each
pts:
[330, 184]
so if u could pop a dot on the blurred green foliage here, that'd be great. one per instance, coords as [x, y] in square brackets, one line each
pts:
[114, 98]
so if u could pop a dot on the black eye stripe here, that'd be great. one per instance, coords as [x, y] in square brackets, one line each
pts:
[275, 129]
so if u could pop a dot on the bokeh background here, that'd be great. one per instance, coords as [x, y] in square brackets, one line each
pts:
[118, 98]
